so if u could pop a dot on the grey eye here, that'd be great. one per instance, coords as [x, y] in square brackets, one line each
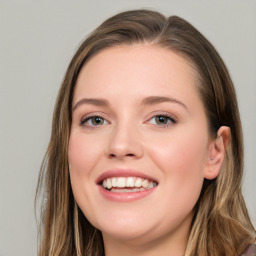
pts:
[94, 121]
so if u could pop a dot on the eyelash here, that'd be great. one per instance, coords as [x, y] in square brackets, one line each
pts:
[88, 118]
[170, 119]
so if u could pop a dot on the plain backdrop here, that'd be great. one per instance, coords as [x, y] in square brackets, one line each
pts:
[37, 41]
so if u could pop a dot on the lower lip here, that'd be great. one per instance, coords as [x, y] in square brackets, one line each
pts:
[125, 197]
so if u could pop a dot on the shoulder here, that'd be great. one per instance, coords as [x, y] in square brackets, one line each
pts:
[251, 250]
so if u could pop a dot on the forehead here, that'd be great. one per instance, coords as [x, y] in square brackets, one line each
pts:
[144, 67]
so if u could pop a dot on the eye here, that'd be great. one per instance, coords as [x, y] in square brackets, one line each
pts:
[162, 120]
[94, 121]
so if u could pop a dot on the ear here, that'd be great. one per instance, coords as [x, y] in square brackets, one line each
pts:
[216, 153]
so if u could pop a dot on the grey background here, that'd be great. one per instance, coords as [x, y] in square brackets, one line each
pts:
[37, 40]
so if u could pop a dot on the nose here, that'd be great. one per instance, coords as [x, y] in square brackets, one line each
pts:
[125, 142]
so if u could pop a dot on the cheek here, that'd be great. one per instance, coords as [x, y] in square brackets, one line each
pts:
[184, 150]
[83, 154]
[181, 158]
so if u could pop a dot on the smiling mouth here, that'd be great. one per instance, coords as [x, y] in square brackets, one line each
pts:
[127, 184]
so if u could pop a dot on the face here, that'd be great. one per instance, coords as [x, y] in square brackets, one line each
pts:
[139, 142]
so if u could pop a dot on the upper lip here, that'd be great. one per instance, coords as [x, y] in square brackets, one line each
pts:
[123, 173]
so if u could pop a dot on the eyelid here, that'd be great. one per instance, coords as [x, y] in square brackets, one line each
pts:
[93, 114]
[162, 113]
[172, 118]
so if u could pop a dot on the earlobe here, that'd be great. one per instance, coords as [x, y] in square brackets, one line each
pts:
[217, 149]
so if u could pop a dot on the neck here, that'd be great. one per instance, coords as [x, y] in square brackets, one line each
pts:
[127, 249]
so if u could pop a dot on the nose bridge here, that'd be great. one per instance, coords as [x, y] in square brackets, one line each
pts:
[125, 140]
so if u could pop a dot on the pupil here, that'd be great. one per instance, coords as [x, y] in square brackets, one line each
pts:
[97, 120]
[161, 119]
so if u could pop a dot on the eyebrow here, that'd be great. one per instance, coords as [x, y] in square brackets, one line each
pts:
[95, 102]
[160, 99]
[152, 100]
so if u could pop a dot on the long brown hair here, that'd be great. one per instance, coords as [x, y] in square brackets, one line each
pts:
[221, 224]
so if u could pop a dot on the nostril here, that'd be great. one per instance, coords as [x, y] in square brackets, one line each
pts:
[114, 155]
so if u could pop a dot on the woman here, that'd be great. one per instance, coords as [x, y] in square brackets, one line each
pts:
[146, 152]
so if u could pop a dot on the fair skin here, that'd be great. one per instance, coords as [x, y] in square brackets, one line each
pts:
[137, 113]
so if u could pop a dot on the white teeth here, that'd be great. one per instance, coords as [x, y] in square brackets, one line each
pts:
[145, 183]
[109, 185]
[138, 184]
[130, 182]
[151, 184]
[121, 182]
[113, 180]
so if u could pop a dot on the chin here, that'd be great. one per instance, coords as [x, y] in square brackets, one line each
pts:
[134, 234]
[124, 225]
